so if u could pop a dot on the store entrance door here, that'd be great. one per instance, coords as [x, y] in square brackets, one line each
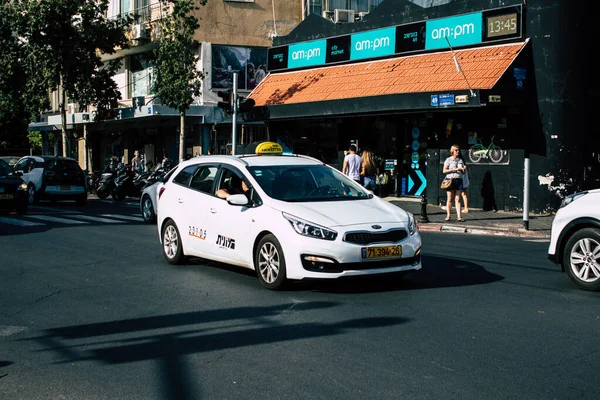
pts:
[414, 181]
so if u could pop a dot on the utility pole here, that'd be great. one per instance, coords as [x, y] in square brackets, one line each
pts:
[234, 115]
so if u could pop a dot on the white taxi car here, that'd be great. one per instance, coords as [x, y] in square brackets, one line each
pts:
[285, 216]
[575, 238]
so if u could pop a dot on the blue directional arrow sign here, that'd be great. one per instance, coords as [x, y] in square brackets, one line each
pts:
[410, 183]
[423, 182]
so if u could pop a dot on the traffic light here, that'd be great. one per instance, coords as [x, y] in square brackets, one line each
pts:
[245, 104]
[226, 95]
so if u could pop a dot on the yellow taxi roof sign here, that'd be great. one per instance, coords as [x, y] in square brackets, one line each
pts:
[269, 148]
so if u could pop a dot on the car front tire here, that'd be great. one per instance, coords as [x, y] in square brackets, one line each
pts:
[172, 247]
[147, 210]
[581, 258]
[269, 263]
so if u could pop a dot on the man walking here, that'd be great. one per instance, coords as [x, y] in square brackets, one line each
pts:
[352, 164]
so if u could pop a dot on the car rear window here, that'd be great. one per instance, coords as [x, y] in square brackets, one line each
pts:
[62, 165]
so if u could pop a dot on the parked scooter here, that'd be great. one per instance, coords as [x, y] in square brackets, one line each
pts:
[128, 183]
[106, 185]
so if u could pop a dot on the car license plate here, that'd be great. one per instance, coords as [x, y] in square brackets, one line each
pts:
[382, 252]
[6, 196]
[65, 187]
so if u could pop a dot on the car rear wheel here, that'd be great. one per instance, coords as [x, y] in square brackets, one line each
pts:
[147, 210]
[22, 208]
[172, 247]
[269, 262]
[581, 258]
[82, 199]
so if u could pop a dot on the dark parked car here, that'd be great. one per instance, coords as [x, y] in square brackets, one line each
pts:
[10, 160]
[52, 178]
[13, 190]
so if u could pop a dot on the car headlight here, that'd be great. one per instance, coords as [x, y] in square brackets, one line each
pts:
[22, 186]
[309, 229]
[571, 198]
[412, 224]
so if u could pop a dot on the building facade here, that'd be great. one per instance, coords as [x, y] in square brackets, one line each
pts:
[508, 81]
[234, 36]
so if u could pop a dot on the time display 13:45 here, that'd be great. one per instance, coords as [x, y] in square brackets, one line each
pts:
[502, 25]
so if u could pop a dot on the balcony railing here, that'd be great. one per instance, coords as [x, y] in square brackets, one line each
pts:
[148, 13]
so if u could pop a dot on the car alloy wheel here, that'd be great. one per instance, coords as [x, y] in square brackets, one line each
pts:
[172, 248]
[270, 263]
[31, 194]
[147, 210]
[582, 258]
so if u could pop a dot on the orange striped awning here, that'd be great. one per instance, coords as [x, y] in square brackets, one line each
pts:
[435, 72]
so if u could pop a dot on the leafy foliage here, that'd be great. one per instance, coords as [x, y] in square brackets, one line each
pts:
[178, 79]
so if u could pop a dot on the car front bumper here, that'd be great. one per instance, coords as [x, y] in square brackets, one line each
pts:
[336, 259]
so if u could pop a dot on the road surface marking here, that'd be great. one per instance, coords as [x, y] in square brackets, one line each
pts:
[18, 222]
[56, 219]
[97, 219]
[127, 217]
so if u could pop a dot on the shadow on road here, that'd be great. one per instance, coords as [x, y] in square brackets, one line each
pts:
[222, 329]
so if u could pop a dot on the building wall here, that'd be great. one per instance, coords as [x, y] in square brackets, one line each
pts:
[247, 23]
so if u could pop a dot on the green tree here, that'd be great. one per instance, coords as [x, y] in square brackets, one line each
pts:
[178, 79]
[13, 118]
[64, 42]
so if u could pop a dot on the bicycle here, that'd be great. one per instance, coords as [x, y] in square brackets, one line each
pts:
[479, 151]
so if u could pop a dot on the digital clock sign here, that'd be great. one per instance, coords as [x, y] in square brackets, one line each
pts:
[502, 25]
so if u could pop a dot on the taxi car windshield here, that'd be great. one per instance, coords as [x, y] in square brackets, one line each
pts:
[306, 183]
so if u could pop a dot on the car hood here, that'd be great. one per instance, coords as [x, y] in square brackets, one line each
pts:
[345, 213]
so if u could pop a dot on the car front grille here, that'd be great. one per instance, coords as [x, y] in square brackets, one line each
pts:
[364, 238]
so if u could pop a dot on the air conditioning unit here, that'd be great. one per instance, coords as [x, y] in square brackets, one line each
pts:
[361, 15]
[343, 16]
[328, 15]
[138, 31]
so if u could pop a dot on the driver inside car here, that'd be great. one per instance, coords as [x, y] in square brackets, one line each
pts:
[236, 186]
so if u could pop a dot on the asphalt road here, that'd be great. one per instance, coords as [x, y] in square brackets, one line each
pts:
[90, 310]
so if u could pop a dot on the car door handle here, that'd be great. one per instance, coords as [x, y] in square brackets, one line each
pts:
[213, 210]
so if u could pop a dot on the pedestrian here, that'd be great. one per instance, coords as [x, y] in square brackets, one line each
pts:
[465, 198]
[137, 164]
[210, 151]
[166, 162]
[454, 167]
[369, 171]
[352, 164]
[465, 179]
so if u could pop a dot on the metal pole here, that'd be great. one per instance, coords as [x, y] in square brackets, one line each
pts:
[234, 116]
[526, 193]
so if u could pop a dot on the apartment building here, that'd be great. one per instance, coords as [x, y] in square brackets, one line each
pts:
[234, 36]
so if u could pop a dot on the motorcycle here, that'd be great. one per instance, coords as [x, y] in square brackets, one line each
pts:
[106, 185]
[128, 183]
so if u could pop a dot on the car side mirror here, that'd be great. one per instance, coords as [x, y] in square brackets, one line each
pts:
[20, 173]
[238, 200]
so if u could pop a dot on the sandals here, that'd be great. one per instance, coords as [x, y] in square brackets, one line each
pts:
[447, 219]
[460, 220]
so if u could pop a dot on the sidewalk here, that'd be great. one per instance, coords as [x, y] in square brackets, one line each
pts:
[477, 221]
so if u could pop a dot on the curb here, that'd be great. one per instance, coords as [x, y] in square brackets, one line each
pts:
[474, 230]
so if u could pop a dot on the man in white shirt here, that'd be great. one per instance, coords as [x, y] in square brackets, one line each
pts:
[352, 164]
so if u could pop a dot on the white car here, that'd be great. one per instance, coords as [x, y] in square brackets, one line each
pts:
[286, 216]
[149, 196]
[52, 178]
[575, 238]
